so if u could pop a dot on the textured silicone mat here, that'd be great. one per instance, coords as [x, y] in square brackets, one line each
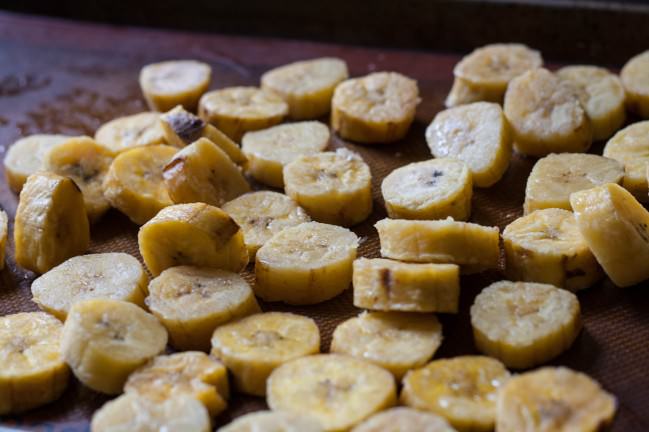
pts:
[61, 77]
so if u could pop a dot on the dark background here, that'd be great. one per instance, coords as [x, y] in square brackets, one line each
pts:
[602, 32]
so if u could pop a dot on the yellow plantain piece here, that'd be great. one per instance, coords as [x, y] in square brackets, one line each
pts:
[376, 108]
[546, 115]
[524, 324]
[25, 157]
[252, 347]
[136, 130]
[85, 162]
[263, 214]
[387, 285]
[181, 127]
[191, 302]
[402, 419]
[202, 172]
[464, 93]
[51, 224]
[134, 413]
[615, 227]
[272, 421]
[546, 246]
[190, 373]
[485, 73]
[556, 176]
[432, 189]
[554, 400]
[471, 246]
[333, 187]
[104, 341]
[33, 372]
[601, 94]
[477, 134]
[462, 389]
[306, 86]
[339, 391]
[636, 84]
[396, 341]
[134, 183]
[305, 264]
[112, 275]
[195, 234]
[270, 150]
[237, 110]
[630, 147]
[176, 82]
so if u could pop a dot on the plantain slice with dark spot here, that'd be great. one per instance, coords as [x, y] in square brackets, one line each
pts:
[182, 128]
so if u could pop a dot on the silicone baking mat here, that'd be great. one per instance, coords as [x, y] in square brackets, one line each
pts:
[64, 77]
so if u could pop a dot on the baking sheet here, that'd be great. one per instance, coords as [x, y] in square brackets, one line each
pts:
[64, 77]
